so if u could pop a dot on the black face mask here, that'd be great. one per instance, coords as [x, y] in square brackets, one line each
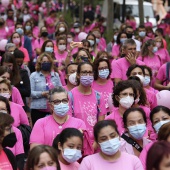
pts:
[85, 59]
[46, 66]
[10, 17]
[44, 34]
[129, 35]
[9, 140]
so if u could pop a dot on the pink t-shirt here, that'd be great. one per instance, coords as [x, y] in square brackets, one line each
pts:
[102, 44]
[4, 33]
[151, 98]
[115, 115]
[87, 29]
[153, 90]
[85, 108]
[47, 129]
[16, 96]
[148, 24]
[18, 147]
[115, 50]
[26, 55]
[96, 162]
[19, 115]
[4, 162]
[10, 22]
[163, 54]
[153, 62]
[61, 57]
[50, 21]
[128, 148]
[162, 74]
[120, 67]
[105, 90]
[144, 153]
[38, 43]
[36, 31]
[72, 166]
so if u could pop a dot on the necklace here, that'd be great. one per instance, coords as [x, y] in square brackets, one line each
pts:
[60, 125]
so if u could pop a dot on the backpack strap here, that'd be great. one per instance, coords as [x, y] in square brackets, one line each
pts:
[167, 70]
[72, 102]
[132, 142]
[98, 104]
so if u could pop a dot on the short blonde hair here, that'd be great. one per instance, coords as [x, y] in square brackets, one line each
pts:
[7, 82]
[39, 60]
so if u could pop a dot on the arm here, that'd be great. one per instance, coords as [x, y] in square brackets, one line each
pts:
[158, 85]
[23, 116]
[28, 46]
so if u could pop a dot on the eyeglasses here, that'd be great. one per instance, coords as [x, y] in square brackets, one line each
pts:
[126, 94]
[57, 102]
[85, 73]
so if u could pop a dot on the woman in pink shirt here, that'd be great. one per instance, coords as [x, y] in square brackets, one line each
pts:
[123, 98]
[150, 58]
[110, 157]
[147, 79]
[69, 145]
[7, 138]
[16, 39]
[6, 73]
[17, 112]
[87, 104]
[102, 82]
[50, 126]
[42, 157]
[135, 122]
[162, 52]
[121, 37]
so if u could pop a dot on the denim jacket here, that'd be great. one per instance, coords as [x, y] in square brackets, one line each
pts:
[38, 85]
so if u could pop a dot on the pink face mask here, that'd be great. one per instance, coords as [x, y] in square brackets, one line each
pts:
[16, 41]
[158, 44]
[49, 168]
[150, 34]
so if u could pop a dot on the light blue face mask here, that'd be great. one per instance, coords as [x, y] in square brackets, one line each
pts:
[137, 131]
[103, 74]
[49, 49]
[146, 81]
[19, 31]
[27, 27]
[71, 155]
[142, 34]
[155, 49]
[97, 40]
[158, 125]
[61, 109]
[110, 147]
[122, 40]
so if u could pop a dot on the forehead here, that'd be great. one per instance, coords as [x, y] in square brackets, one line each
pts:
[160, 114]
[15, 35]
[82, 53]
[103, 63]
[86, 67]
[135, 115]
[72, 67]
[137, 69]
[62, 41]
[128, 90]
[105, 131]
[50, 43]
[131, 46]
[59, 96]
[129, 29]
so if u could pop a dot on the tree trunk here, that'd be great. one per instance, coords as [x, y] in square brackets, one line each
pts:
[81, 11]
[110, 19]
[141, 12]
[65, 4]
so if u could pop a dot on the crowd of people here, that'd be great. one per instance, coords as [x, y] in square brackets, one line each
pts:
[71, 101]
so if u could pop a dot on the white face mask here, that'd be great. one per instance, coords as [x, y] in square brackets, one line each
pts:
[91, 42]
[110, 147]
[69, 40]
[158, 125]
[61, 47]
[140, 77]
[61, 29]
[146, 81]
[126, 102]
[77, 30]
[71, 155]
[137, 100]
[72, 78]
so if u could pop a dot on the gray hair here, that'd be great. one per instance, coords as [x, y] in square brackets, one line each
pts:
[128, 42]
[9, 45]
[57, 89]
